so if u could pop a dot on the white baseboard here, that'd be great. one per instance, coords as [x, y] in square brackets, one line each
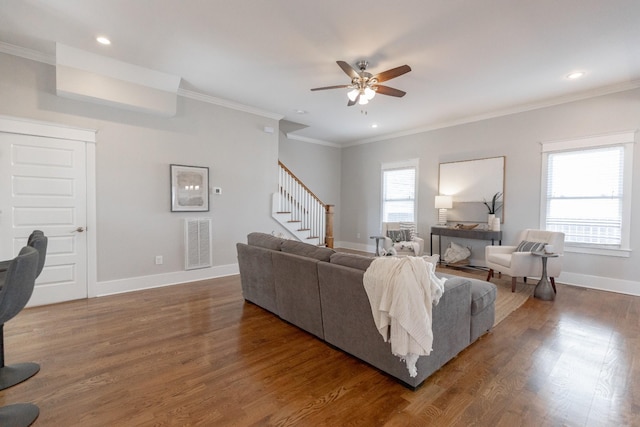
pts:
[131, 284]
[620, 286]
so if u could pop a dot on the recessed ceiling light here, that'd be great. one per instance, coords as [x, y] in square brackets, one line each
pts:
[575, 75]
[300, 111]
[375, 125]
[103, 40]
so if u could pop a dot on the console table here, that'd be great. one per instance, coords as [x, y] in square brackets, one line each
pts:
[463, 234]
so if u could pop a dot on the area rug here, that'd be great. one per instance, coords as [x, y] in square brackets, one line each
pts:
[506, 301]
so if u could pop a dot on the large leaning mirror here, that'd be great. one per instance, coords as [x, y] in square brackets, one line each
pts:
[471, 183]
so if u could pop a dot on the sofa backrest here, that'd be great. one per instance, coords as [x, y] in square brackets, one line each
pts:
[359, 262]
[265, 240]
[304, 249]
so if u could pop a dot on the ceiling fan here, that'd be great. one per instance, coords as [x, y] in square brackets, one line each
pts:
[364, 85]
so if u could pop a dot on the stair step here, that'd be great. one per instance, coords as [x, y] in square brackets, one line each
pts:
[293, 220]
[313, 237]
[304, 229]
[283, 212]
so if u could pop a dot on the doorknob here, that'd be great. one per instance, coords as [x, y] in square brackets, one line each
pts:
[78, 230]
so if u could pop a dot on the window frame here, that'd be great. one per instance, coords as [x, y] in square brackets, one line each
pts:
[623, 139]
[404, 164]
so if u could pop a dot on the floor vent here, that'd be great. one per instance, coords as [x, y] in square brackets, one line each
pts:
[197, 243]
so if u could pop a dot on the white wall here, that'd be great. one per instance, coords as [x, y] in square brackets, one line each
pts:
[319, 168]
[517, 137]
[133, 153]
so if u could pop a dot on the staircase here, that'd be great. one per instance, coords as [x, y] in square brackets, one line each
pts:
[299, 211]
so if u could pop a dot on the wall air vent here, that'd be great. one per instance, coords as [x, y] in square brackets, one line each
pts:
[197, 243]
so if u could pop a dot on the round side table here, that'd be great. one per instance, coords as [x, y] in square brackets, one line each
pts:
[543, 289]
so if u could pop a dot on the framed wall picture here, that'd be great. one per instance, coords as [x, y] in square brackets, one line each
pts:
[471, 183]
[189, 188]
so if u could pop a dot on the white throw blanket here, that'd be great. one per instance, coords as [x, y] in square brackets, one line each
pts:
[402, 292]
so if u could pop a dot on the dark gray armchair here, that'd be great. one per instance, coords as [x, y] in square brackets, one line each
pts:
[36, 240]
[17, 288]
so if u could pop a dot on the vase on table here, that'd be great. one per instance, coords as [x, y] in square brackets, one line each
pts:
[496, 224]
[490, 220]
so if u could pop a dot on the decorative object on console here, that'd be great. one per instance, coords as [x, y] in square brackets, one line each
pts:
[442, 204]
[465, 226]
[457, 254]
[495, 205]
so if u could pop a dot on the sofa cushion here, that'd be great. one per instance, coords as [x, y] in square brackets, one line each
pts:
[305, 249]
[265, 240]
[351, 260]
[483, 295]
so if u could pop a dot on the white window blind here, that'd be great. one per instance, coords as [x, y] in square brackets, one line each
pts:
[585, 195]
[586, 192]
[398, 194]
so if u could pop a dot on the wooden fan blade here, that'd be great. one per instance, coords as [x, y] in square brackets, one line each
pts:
[392, 73]
[351, 72]
[386, 90]
[330, 87]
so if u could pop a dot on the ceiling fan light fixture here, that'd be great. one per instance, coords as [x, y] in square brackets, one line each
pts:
[369, 93]
[363, 100]
[353, 94]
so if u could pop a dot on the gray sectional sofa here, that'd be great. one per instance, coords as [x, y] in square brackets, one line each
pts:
[321, 291]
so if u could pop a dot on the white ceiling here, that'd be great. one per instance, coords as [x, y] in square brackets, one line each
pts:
[470, 59]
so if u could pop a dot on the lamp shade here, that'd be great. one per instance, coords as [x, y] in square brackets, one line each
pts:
[444, 202]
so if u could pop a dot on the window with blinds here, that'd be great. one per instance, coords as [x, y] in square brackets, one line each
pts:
[585, 191]
[399, 193]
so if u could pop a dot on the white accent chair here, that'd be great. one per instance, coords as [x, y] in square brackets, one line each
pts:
[412, 247]
[505, 259]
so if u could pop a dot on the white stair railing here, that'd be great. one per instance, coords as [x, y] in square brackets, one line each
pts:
[307, 211]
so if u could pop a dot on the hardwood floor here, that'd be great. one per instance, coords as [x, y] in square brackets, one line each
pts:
[197, 354]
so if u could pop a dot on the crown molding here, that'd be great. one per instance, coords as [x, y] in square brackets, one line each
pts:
[228, 104]
[31, 54]
[565, 99]
[311, 140]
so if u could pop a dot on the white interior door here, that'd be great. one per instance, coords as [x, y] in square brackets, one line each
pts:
[43, 186]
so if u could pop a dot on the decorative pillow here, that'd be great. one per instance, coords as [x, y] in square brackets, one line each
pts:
[526, 246]
[399, 235]
[411, 226]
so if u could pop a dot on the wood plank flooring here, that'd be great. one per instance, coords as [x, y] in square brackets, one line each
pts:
[198, 355]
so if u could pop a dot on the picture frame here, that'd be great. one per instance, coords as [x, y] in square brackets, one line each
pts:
[471, 183]
[189, 188]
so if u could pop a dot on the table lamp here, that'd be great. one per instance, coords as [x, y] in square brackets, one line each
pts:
[442, 204]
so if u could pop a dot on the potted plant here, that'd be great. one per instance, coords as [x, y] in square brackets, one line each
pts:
[493, 206]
